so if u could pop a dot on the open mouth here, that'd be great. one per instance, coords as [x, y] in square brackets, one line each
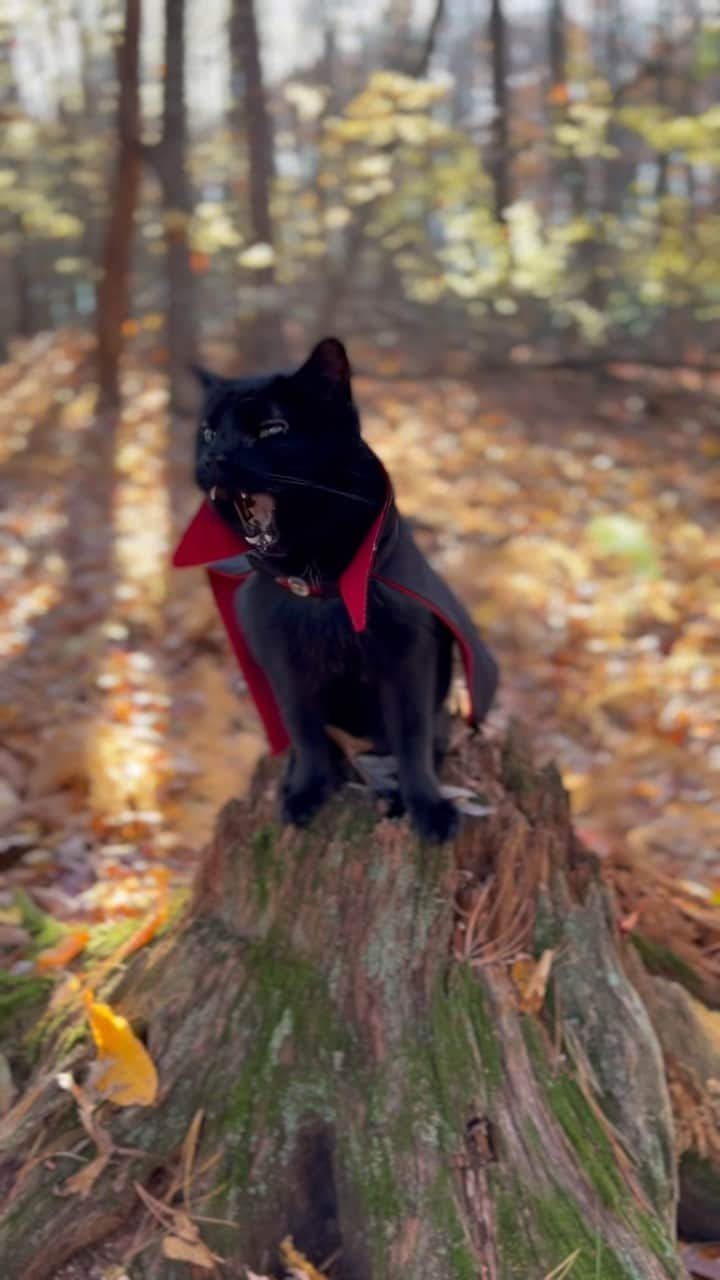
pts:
[256, 513]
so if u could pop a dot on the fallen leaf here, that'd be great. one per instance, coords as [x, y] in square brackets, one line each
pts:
[182, 1243]
[124, 1072]
[189, 1251]
[531, 980]
[300, 1268]
[64, 951]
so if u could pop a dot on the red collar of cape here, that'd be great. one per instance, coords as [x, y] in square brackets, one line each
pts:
[209, 542]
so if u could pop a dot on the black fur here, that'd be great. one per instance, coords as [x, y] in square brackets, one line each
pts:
[297, 438]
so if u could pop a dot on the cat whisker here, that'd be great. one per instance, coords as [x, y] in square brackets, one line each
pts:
[320, 488]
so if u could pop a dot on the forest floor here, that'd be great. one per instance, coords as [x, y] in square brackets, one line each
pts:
[576, 516]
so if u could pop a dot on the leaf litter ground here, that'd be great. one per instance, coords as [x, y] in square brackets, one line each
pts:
[576, 517]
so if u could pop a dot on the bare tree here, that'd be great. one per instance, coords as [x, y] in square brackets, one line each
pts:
[568, 169]
[251, 117]
[113, 296]
[499, 147]
[169, 157]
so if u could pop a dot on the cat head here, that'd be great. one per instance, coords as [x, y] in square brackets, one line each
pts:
[265, 436]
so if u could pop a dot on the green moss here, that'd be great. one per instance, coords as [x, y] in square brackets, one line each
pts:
[579, 1124]
[268, 866]
[564, 1228]
[361, 820]
[517, 1256]
[535, 1234]
[548, 931]
[106, 939]
[585, 1134]
[657, 1240]
[23, 998]
[370, 1162]
[44, 929]
[535, 1044]
[596, 1156]
[436, 1060]
[290, 1010]
[466, 997]
[442, 1208]
[661, 960]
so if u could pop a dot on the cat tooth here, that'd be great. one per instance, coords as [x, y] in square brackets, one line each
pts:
[213, 493]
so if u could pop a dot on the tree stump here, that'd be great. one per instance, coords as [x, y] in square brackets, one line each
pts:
[375, 1076]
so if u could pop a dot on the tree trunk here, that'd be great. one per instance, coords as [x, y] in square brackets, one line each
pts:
[499, 154]
[113, 299]
[265, 343]
[568, 169]
[170, 158]
[663, 94]
[339, 1007]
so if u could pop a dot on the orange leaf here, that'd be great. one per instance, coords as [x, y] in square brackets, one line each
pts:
[156, 918]
[146, 932]
[124, 1072]
[64, 951]
[130, 328]
[199, 263]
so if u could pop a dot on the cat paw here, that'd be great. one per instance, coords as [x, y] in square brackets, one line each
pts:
[299, 804]
[435, 820]
[390, 802]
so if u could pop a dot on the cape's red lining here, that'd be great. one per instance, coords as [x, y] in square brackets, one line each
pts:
[208, 540]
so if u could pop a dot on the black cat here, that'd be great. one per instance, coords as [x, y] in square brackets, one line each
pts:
[338, 619]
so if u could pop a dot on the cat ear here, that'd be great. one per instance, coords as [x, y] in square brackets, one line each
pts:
[328, 362]
[206, 379]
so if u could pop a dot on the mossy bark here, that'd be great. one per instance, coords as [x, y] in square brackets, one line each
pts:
[339, 1005]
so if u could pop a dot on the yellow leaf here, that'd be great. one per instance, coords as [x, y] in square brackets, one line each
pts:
[531, 980]
[124, 1072]
[293, 1258]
